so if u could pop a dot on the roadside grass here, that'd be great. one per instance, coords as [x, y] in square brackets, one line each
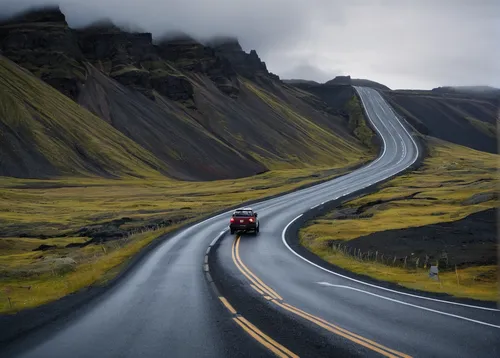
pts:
[50, 212]
[478, 282]
[35, 278]
[357, 123]
[33, 208]
[453, 183]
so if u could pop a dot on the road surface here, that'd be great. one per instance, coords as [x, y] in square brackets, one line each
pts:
[269, 299]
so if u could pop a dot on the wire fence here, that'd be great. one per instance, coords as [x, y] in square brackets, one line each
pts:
[410, 262]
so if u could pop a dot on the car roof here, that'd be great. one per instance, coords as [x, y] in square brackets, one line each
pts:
[244, 209]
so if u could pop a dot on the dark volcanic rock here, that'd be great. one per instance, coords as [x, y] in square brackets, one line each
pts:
[44, 247]
[118, 48]
[471, 240]
[248, 65]
[133, 60]
[42, 42]
[44, 14]
[174, 87]
[340, 80]
[188, 54]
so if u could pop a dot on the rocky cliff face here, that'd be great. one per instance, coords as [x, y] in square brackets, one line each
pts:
[248, 65]
[42, 42]
[189, 55]
[133, 60]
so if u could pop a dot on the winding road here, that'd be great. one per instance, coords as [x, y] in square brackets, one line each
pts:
[205, 293]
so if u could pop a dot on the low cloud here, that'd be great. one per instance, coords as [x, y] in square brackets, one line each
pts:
[403, 44]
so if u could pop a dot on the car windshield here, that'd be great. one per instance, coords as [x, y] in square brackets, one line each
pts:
[243, 213]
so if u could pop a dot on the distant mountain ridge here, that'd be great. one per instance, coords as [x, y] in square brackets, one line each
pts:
[340, 80]
[465, 115]
[467, 89]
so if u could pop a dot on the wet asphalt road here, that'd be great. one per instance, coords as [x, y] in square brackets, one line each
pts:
[166, 307]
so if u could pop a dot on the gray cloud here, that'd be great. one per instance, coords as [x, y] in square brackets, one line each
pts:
[403, 44]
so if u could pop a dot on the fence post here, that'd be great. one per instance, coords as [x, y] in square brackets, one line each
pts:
[405, 260]
[376, 256]
[394, 261]
[458, 279]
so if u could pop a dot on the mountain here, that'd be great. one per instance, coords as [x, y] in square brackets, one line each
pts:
[203, 111]
[43, 133]
[468, 90]
[462, 115]
[299, 81]
[347, 80]
[464, 119]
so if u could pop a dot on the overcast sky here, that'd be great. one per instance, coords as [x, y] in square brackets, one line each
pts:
[402, 44]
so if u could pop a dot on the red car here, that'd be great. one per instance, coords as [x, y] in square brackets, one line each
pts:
[244, 219]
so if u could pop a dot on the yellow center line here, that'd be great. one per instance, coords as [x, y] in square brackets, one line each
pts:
[256, 289]
[267, 289]
[365, 342]
[227, 304]
[244, 270]
[259, 339]
[255, 285]
[348, 332]
[328, 328]
[269, 339]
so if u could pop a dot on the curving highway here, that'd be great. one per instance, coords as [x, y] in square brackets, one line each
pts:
[204, 293]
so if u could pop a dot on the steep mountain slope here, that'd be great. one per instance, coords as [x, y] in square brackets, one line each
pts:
[43, 133]
[206, 112]
[462, 119]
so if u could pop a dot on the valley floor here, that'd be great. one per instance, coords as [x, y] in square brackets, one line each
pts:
[442, 214]
[59, 236]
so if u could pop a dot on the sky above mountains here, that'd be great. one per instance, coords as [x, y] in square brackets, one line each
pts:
[402, 44]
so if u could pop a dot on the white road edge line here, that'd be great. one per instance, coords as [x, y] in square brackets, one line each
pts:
[408, 304]
[372, 285]
[366, 283]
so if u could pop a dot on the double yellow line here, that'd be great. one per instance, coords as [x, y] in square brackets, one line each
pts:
[257, 283]
[257, 334]
[271, 295]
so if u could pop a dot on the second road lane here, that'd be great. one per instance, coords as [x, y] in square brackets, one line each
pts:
[270, 300]
[377, 320]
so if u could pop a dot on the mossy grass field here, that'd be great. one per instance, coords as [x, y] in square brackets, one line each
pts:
[101, 196]
[453, 183]
[131, 212]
